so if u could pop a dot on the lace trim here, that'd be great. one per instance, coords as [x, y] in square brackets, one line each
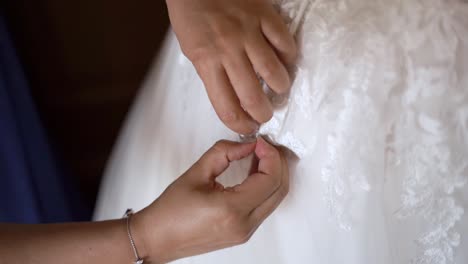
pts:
[432, 175]
[432, 154]
[348, 102]
[431, 135]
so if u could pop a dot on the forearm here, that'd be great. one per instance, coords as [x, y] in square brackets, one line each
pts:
[97, 242]
[194, 215]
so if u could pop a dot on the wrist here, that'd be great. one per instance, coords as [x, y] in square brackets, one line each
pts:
[151, 239]
[140, 235]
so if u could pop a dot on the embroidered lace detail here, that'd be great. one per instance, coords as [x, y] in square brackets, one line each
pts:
[378, 64]
[342, 175]
[432, 150]
[351, 101]
[368, 66]
[433, 171]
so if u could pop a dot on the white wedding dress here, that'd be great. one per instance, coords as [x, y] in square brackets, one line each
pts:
[378, 116]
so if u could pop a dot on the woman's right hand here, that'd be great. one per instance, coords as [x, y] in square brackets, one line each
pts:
[196, 214]
[229, 42]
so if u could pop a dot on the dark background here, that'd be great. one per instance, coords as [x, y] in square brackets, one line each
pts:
[85, 60]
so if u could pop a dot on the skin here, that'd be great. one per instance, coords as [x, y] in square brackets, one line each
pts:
[194, 215]
[228, 42]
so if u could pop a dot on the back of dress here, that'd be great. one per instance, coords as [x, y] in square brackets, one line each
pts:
[377, 115]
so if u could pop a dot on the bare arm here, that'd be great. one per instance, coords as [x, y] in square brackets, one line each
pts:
[194, 215]
[98, 242]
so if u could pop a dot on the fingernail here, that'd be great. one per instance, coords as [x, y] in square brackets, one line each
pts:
[262, 147]
[254, 126]
[251, 137]
[248, 138]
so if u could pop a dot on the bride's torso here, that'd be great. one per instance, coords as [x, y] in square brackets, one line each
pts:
[381, 98]
[377, 114]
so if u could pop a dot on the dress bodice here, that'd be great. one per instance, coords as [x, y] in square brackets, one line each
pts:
[381, 87]
[377, 115]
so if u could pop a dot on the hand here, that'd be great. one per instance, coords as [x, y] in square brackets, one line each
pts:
[229, 42]
[196, 214]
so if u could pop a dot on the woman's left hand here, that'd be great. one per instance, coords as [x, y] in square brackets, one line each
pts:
[196, 214]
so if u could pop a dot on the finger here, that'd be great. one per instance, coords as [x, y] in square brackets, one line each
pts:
[276, 32]
[224, 99]
[216, 160]
[267, 64]
[269, 157]
[258, 187]
[259, 214]
[247, 86]
[254, 165]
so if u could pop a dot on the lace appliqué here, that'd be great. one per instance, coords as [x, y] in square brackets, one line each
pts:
[343, 44]
[432, 150]
[433, 160]
[432, 175]
[345, 177]
[344, 88]
[359, 56]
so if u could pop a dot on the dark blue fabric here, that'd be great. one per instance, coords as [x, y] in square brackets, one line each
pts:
[32, 189]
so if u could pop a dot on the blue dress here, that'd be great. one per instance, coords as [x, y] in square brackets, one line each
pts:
[32, 188]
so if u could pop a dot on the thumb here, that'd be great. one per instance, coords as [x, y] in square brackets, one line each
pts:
[259, 186]
[217, 159]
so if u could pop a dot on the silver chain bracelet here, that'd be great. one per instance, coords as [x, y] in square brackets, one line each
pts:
[128, 215]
